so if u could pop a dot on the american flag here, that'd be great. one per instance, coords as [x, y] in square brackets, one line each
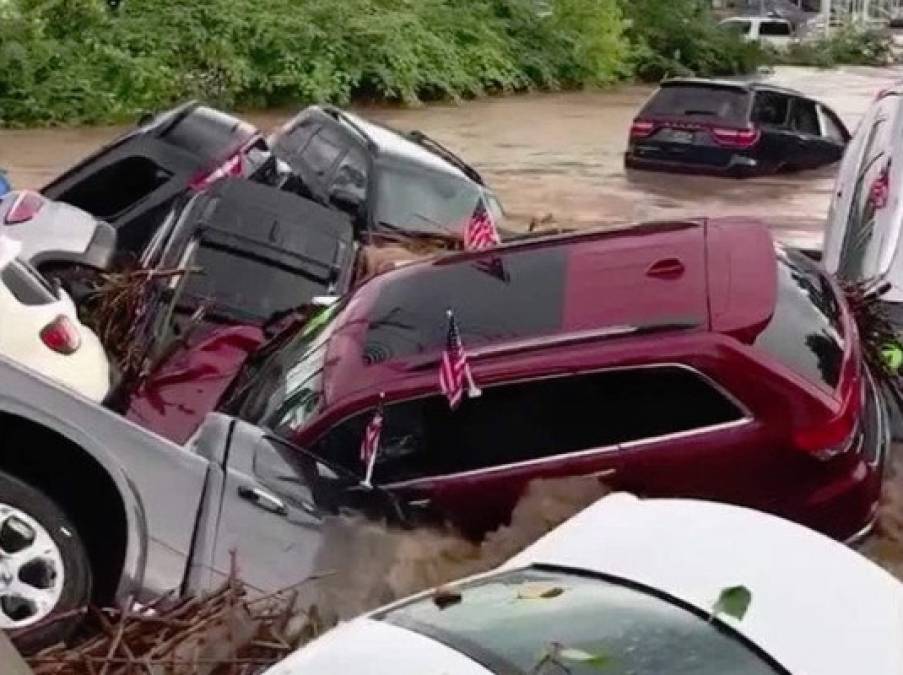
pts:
[454, 371]
[880, 190]
[370, 444]
[480, 232]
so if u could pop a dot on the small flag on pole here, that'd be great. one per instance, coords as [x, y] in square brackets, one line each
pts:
[454, 371]
[370, 443]
[480, 232]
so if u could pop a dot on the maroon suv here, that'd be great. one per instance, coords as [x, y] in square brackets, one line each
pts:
[689, 359]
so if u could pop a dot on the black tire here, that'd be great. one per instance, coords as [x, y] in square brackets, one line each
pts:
[76, 587]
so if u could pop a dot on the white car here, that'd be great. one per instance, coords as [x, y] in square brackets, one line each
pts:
[39, 328]
[771, 31]
[629, 586]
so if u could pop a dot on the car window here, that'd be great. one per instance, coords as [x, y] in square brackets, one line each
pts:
[805, 332]
[861, 218]
[500, 624]
[321, 153]
[409, 319]
[683, 100]
[351, 176]
[770, 109]
[774, 28]
[26, 285]
[117, 187]
[413, 198]
[831, 126]
[739, 27]
[804, 117]
[532, 420]
[294, 137]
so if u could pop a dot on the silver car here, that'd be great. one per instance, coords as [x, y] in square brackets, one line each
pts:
[53, 233]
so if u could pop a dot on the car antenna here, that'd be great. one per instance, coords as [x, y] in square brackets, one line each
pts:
[339, 114]
[437, 148]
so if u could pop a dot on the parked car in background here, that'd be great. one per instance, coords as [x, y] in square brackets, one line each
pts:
[40, 329]
[733, 129]
[697, 344]
[630, 586]
[389, 182]
[258, 252]
[53, 234]
[767, 30]
[96, 510]
[132, 182]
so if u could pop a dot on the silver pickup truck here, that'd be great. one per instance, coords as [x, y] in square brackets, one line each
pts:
[96, 509]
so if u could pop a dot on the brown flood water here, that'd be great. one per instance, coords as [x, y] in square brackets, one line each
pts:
[558, 154]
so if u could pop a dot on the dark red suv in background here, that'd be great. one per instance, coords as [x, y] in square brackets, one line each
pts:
[689, 359]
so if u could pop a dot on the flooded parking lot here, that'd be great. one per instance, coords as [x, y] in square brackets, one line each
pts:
[558, 154]
[561, 154]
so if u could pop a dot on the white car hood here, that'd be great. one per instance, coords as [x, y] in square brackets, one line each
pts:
[817, 607]
[375, 648]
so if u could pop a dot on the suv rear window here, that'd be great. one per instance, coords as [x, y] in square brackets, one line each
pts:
[409, 315]
[721, 103]
[26, 285]
[774, 28]
[805, 332]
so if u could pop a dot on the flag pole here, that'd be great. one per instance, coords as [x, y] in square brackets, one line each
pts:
[371, 461]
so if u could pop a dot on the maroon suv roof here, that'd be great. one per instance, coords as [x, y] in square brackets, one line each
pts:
[651, 277]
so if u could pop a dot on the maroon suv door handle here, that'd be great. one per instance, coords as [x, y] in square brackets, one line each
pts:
[666, 268]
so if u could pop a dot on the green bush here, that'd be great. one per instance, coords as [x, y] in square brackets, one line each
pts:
[76, 61]
[850, 45]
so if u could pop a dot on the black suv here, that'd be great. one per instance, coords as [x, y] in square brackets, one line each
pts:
[133, 181]
[733, 129]
[387, 181]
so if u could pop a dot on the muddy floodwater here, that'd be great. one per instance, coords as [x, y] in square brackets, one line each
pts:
[558, 154]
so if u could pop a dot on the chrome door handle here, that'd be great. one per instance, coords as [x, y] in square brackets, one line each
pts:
[263, 499]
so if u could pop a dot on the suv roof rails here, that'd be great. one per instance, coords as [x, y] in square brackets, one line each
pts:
[339, 114]
[437, 148]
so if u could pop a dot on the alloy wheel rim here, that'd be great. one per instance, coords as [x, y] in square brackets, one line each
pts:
[31, 569]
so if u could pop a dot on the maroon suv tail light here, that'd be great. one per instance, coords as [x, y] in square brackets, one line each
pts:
[736, 138]
[25, 206]
[641, 129]
[61, 336]
[835, 436]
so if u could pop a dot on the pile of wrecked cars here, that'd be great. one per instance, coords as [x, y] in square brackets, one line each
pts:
[693, 359]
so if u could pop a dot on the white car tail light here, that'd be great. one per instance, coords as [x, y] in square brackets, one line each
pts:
[61, 336]
[25, 206]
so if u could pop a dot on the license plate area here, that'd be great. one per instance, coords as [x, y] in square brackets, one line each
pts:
[677, 136]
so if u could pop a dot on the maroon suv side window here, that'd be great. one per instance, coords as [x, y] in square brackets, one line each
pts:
[525, 421]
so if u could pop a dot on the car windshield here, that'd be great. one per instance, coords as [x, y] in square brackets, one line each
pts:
[550, 621]
[288, 389]
[423, 200]
[806, 331]
[725, 104]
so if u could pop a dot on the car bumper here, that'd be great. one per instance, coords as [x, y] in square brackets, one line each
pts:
[739, 166]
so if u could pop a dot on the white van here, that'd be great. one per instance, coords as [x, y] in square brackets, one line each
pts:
[772, 31]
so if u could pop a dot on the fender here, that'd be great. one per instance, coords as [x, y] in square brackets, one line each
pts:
[160, 483]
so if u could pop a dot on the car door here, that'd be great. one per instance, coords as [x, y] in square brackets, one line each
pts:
[261, 512]
[812, 147]
[862, 235]
[778, 147]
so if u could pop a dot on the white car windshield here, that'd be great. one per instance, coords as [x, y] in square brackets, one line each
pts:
[551, 621]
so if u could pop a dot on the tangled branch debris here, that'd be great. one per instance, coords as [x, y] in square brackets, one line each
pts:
[223, 633]
[876, 332]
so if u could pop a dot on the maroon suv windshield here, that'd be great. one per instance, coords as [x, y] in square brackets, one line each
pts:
[724, 104]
